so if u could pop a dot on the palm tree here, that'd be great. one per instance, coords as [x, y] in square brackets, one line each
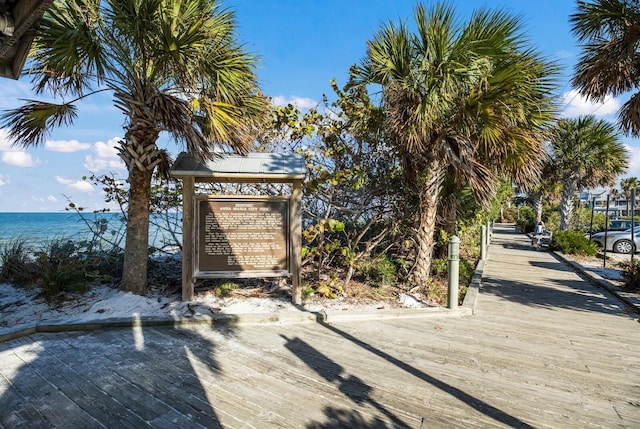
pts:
[627, 185]
[610, 32]
[586, 152]
[467, 100]
[172, 66]
[615, 195]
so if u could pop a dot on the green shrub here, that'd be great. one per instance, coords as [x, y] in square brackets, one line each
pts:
[226, 288]
[573, 243]
[509, 215]
[61, 269]
[307, 291]
[17, 265]
[631, 276]
[526, 218]
[381, 271]
[465, 272]
[439, 267]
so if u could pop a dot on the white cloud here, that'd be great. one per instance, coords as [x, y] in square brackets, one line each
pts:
[302, 103]
[576, 105]
[5, 142]
[4, 180]
[66, 146]
[14, 156]
[564, 54]
[51, 199]
[20, 159]
[634, 161]
[76, 185]
[106, 157]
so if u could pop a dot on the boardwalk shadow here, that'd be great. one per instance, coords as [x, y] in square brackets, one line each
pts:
[577, 295]
[471, 401]
[548, 291]
[351, 386]
[517, 245]
[109, 378]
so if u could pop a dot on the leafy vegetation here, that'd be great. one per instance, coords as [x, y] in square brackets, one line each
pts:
[573, 243]
[585, 152]
[464, 105]
[171, 65]
[62, 268]
[390, 177]
[225, 288]
[381, 271]
[608, 33]
[58, 267]
[17, 263]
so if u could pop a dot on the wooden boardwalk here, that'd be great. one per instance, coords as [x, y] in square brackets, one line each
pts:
[545, 349]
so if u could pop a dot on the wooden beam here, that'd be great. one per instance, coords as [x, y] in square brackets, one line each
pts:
[296, 242]
[188, 190]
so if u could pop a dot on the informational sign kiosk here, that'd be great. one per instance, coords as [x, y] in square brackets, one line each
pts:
[239, 236]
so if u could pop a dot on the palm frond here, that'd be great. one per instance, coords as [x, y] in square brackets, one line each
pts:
[29, 125]
[68, 52]
[609, 31]
[588, 151]
[629, 115]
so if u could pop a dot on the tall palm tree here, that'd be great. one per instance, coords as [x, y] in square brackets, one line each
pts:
[610, 33]
[171, 65]
[586, 152]
[468, 100]
[627, 185]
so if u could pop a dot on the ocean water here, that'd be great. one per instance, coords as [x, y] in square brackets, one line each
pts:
[38, 229]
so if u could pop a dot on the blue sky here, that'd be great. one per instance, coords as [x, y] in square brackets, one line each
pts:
[302, 45]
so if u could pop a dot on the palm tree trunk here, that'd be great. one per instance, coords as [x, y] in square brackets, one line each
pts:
[566, 204]
[537, 205]
[429, 194]
[134, 273]
[141, 155]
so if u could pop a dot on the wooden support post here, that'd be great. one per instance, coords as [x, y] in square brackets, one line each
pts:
[188, 190]
[296, 242]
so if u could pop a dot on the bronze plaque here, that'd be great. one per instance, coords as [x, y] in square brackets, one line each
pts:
[242, 235]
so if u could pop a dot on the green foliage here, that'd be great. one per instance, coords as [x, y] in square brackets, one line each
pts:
[573, 243]
[59, 266]
[226, 288]
[200, 87]
[307, 291]
[329, 288]
[551, 220]
[440, 268]
[381, 271]
[324, 289]
[631, 276]
[17, 265]
[352, 185]
[61, 269]
[526, 218]
[509, 215]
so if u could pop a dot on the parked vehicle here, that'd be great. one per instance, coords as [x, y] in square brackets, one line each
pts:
[620, 225]
[619, 241]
